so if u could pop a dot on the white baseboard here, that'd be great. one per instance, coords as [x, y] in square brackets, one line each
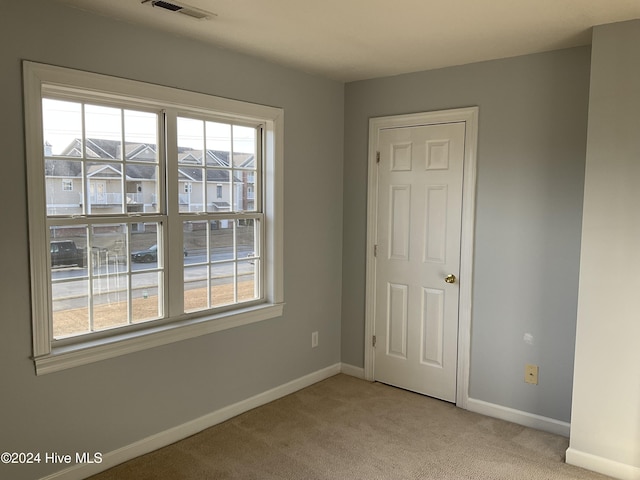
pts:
[602, 465]
[167, 437]
[347, 369]
[518, 416]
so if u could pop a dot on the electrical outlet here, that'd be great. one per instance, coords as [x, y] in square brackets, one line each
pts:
[531, 374]
[314, 339]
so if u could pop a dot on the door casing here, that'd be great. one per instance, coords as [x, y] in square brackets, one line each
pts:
[470, 117]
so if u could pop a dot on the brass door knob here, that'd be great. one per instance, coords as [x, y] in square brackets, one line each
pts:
[451, 278]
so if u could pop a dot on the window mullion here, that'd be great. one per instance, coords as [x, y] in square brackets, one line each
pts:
[174, 271]
[235, 263]
[205, 186]
[209, 283]
[232, 193]
[123, 165]
[91, 278]
[129, 277]
[83, 157]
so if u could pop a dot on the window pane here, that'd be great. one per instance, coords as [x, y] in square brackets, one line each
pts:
[191, 189]
[104, 183]
[246, 238]
[109, 249]
[147, 298]
[244, 188]
[145, 252]
[195, 288]
[70, 308]
[110, 301]
[103, 137]
[141, 136]
[68, 248]
[142, 188]
[218, 190]
[244, 147]
[218, 144]
[63, 184]
[247, 285]
[222, 284]
[190, 141]
[222, 240]
[195, 241]
[62, 128]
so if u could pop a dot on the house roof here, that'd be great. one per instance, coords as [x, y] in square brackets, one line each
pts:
[190, 161]
[62, 168]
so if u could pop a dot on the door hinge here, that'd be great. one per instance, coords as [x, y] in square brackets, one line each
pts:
[377, 157]
[375, 250]
[374, 341]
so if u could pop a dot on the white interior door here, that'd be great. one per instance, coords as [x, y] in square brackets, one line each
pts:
[419, 211]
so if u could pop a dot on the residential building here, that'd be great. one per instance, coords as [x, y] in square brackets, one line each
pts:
[109, 192]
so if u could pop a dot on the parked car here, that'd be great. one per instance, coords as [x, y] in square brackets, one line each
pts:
[149, 255]
[146, 256]
[66, 253]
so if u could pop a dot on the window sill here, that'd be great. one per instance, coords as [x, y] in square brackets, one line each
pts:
[82, 353]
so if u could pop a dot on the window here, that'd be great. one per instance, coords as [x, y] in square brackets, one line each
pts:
[174, 227]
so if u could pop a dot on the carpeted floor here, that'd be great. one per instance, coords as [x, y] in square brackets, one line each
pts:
[346, 428]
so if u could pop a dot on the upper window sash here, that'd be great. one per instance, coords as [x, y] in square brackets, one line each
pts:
[109, 151]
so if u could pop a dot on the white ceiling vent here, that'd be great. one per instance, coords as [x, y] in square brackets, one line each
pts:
[179, 7]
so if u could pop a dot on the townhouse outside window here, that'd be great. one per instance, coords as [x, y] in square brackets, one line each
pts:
[128, 259]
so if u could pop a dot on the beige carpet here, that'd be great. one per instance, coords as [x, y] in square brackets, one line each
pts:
[346, 428]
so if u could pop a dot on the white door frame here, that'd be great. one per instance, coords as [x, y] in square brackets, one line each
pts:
[470, 117]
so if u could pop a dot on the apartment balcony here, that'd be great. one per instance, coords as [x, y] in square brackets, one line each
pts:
[105, 199]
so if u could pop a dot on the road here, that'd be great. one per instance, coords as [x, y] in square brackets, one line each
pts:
[70, 284]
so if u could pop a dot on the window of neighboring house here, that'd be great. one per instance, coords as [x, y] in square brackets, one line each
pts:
[100, 280]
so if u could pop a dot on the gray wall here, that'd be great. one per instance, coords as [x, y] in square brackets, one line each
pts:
[109, 404]
[531, 150]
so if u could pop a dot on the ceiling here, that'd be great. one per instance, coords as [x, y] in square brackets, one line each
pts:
[349, 40]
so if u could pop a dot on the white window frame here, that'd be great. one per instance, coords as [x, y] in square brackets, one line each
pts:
[49, 355]
[67, 182]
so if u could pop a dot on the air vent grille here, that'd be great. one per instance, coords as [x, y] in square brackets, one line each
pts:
[178, 7]
[169, 6]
